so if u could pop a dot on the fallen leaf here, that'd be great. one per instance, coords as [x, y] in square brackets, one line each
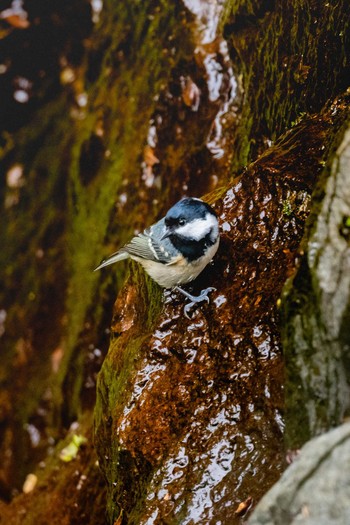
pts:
[17, 21]
[149, 157]
[243, 507]
[190, 93]
[16, 17]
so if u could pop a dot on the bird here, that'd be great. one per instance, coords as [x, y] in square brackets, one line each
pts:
[177, 248]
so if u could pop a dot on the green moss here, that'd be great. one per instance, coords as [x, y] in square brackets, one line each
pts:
[287, 59]
[90, 208]
[115, 378]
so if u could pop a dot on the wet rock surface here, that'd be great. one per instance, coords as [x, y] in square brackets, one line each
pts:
[316, 330]
[190, 411]
[315, 490]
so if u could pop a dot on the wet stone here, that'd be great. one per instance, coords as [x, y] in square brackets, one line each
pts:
[197, 403]
[315, 489]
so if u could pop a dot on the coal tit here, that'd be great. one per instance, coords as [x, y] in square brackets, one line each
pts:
[177, 248]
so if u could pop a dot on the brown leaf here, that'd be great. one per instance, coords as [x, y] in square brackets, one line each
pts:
[15, 18]
[149, 157]
[190, 93]
[243, 507]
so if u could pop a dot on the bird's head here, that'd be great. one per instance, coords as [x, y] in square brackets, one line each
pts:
[191, 221]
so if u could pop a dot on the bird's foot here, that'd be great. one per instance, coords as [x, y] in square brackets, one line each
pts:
[195, 298]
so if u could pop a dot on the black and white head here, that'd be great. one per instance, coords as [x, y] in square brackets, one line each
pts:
[192, 227]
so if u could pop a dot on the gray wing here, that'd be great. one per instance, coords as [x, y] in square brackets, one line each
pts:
[147, 245]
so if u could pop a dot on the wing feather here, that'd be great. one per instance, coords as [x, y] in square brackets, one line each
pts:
[145, 246]
[140, 246]
[115, 257]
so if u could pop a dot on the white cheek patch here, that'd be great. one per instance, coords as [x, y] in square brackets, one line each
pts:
[198, 228]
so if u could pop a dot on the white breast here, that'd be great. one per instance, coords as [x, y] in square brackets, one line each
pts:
[178, 272]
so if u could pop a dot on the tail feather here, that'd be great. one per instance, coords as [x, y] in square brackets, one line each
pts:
[115, 257]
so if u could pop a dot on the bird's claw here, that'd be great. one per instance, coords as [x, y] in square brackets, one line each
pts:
[204, 294]
[187, 309]
[195, 299]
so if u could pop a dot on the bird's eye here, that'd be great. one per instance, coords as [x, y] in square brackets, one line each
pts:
[182, 222]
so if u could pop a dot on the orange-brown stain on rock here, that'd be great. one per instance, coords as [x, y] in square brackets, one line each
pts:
[204, 407]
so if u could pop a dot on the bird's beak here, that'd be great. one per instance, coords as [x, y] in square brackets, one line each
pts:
[166, 235]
